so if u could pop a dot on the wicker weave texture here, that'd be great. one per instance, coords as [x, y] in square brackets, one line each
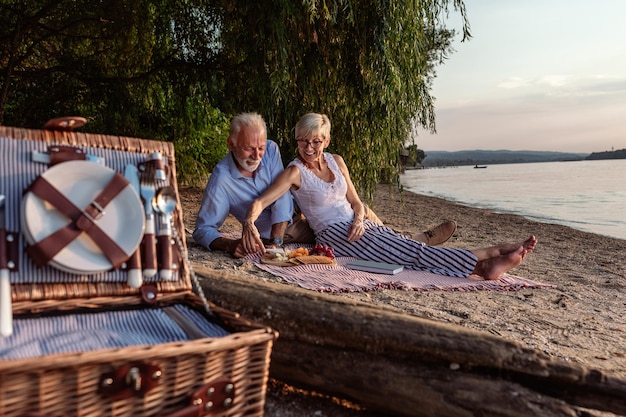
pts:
[70, 384]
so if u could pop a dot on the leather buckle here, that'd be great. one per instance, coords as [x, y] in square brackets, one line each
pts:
[129, 380]
[99, 209]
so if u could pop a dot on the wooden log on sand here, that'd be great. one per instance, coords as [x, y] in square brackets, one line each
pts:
[405, 365]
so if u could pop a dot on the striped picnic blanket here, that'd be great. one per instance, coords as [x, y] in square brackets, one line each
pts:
[338, 278]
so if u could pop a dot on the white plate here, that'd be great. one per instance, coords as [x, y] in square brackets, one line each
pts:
[81, 181]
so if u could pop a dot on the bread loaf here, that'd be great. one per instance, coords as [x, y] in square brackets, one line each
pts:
[313, 259]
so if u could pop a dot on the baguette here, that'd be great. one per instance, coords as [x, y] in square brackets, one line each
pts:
[313, 259]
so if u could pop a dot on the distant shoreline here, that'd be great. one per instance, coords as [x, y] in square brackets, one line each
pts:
[479, 157]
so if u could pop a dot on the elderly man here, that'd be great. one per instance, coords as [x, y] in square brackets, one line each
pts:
[249, 168]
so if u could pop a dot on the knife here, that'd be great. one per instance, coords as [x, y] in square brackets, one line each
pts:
[149, 240]
[6, 310]
[134, 262]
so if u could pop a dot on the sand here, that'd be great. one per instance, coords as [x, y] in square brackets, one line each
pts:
[582, 320]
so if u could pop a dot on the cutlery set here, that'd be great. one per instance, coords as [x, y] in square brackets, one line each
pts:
[159, 203]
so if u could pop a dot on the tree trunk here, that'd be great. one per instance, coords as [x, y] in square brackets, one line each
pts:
[405, 365]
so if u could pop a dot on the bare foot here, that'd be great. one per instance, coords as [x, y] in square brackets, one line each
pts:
[506, 248]
[530, 243]
[493, 268]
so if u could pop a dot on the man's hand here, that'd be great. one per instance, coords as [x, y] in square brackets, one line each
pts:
[237, 250]
[251, 239]
[233, 246]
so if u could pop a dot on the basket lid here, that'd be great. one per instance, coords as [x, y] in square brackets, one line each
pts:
[77, 224]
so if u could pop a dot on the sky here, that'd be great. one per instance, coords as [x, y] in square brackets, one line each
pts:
[545, 75]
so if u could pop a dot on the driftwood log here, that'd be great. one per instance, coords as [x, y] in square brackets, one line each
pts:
[408, 366]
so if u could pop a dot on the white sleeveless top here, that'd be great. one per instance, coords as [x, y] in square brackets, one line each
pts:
[323, 203]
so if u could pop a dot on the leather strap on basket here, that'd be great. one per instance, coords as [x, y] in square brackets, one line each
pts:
[9, 250]
[134, 379]
[43, 251]
[63, 153]
[215, 397]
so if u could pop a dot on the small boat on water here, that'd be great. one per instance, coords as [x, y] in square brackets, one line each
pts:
[480, 166]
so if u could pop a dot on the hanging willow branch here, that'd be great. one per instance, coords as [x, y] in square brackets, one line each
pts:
[368, 66]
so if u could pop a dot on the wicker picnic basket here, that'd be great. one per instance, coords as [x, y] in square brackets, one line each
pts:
[210, 362]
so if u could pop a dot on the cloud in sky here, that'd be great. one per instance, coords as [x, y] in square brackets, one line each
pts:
[568, 85]
[536, 75]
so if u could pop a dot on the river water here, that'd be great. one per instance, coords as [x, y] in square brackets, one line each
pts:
[585, 195]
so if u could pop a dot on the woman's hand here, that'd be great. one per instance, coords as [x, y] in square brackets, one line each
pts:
[356, 231]
[251, 239]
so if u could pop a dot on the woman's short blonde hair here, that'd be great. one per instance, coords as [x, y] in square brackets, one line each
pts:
[313, 124]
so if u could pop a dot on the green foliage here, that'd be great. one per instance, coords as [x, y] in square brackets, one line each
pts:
[132, 68]
[177, 69]
[65, 57]
[415, 156]
[199, 153]
[367, 64]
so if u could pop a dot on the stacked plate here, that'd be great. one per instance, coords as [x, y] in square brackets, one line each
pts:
[81, 182]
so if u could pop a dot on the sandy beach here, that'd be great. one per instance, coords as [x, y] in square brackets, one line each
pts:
[582, 320]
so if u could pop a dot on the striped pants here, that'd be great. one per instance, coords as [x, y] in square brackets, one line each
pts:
[380, 243]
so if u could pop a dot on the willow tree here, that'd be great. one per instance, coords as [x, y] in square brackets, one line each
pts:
[171, 69]
[368, 64]
[131, 67]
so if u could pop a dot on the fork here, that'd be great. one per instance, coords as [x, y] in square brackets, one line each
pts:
[149, 240]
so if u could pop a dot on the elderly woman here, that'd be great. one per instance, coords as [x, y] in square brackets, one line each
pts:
[321, 185]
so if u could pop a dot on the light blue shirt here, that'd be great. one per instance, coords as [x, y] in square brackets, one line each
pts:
[228, 191]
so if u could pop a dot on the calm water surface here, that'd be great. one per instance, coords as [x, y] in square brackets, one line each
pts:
[585, 195]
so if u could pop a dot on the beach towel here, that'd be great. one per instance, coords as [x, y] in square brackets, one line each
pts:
[339, 278]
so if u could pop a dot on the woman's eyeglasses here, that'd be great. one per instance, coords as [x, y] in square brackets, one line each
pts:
[305, 143]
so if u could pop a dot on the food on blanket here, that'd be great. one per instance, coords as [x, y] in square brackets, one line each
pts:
[298, 256]
[323, 251]
[312, 259]
[294, 253]
[276, 256]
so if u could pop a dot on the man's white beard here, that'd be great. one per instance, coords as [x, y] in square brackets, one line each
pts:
[244, 163]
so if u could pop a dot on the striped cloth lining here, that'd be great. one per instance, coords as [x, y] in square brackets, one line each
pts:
[42, 336]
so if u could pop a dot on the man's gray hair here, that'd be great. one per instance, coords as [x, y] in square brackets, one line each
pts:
[245, 120]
